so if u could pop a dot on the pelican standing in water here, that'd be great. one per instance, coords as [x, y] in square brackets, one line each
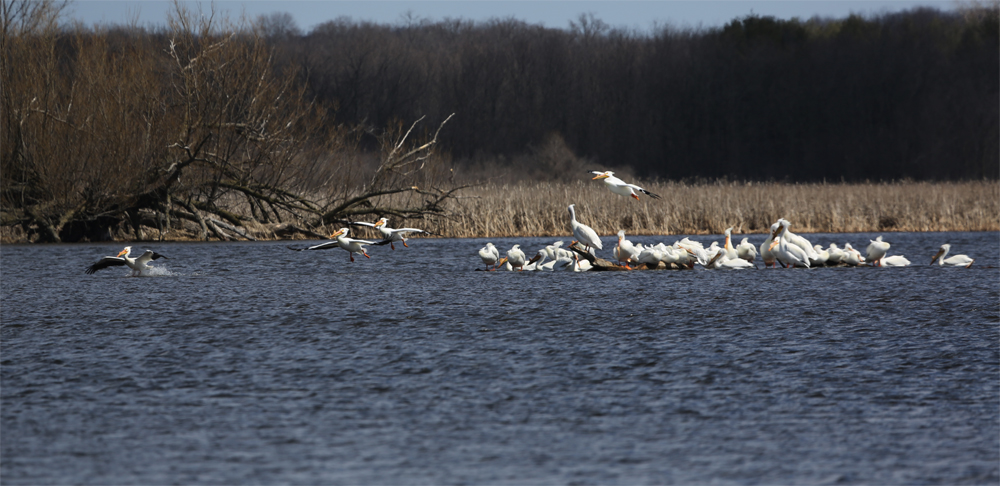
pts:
[583, 233]
[390, 235]
[350, 244]
[136, 264]
[490, 255]
[954, 261]
[619, 186]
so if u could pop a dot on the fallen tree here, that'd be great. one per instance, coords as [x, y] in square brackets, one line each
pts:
[195, 130]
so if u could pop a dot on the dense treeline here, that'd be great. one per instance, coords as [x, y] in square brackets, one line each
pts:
[906, 95]
[235, 129]
[196, 128]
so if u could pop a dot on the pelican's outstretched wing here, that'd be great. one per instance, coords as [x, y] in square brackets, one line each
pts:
[106, 262]
[637, 188]
[321, 246]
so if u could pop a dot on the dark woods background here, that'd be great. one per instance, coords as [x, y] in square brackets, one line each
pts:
[221, 124]
[909, 95]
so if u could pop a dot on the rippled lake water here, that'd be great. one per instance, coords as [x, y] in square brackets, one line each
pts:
[247, 363]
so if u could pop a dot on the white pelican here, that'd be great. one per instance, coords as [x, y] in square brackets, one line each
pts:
[538, 263]
[391, 235]
[730, 251]
[746, 251]
[723, 260]
[836, 255]
[798, 240]
[876, 250]
[516, 257]
[489, 254]
[895, 261]
[350, 244]
[322, 246]
[954, 261]
[651, 255]
[136, 264]
[765, 248]
[571, 264]
[787, 253]
[852, 257]
[680, 255]
[625, 251]
[619, 186]
[824, 256]
[583, 233]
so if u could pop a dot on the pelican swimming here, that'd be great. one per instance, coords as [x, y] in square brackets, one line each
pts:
[136, 264]
[954, 261]
[583, 233]
[390, 235]
[876, 250]
[350, 244]
[490, 255]
[619, 186]
[895, 261]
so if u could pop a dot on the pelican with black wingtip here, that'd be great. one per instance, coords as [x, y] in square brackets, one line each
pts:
[123, 258]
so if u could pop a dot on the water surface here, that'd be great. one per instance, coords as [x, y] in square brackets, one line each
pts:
[247, 363]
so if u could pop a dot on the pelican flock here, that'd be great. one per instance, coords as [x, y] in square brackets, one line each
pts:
[780, 247]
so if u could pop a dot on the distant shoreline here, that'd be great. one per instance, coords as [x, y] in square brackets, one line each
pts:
[539, 209]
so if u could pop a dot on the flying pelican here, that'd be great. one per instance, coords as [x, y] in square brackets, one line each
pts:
[619, 186]
[390, 235]
[583, 233]
[895, 261]
[490, 255]
[787, 253]
[746, 251]
[350, 244]
[516, 257]
[136, 264]
[876, 250]
[954, 261]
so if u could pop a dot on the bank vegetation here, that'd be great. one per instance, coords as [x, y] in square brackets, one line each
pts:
[214, 128]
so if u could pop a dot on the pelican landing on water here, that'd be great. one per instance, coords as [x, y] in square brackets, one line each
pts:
[136, 264]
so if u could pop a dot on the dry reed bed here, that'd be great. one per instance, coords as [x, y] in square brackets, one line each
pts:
[539, 209]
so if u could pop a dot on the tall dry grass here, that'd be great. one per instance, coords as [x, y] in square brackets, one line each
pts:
[540, 209]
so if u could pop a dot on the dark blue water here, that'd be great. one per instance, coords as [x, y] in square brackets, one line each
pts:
[247, 363]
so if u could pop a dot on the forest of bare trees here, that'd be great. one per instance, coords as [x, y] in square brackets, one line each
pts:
[243, 129]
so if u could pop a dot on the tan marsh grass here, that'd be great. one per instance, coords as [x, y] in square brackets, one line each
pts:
[540, 209]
